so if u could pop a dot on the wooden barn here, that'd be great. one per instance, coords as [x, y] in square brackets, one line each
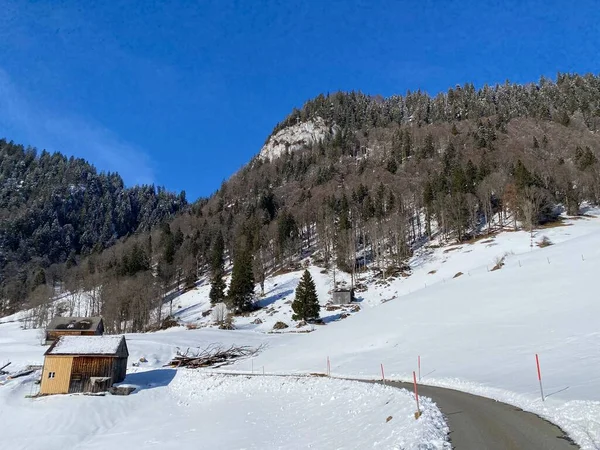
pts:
[74, 326]
[84, 364]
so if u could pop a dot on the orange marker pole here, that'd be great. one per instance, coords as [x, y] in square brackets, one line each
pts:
[382, 374]
[537, 361]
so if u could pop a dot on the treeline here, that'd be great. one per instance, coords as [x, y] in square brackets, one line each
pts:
[398, 171]
[545, 100]
[54, 209]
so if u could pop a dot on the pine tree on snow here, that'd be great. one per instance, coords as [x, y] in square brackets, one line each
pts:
[306, 304]
[217, 288]
[217, 284]
[241, 289]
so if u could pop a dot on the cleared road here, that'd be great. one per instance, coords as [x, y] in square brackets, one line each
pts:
[479, 423]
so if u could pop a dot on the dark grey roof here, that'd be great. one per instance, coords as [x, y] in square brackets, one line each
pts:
[74, 323]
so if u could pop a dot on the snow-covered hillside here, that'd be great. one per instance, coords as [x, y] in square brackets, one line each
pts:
[480, 332]
[430, 265]
[475, 329]
[295, 137]
[193, 307]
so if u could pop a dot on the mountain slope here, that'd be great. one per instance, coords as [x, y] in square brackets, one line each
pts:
[362, 181]
[53, 208]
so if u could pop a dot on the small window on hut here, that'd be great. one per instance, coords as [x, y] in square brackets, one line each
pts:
[51, 374]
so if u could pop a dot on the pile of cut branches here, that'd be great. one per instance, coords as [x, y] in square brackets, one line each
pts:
[2, 371]
[213, 356]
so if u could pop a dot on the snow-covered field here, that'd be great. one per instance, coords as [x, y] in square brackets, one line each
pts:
[185, 409]
[478, 332]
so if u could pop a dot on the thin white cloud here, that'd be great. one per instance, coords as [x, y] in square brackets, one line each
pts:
[69, 134]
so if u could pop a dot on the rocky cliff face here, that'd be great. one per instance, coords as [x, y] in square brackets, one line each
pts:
[296, 137]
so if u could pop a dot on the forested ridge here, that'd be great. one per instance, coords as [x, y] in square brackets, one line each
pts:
[55, 209]
[395, 172]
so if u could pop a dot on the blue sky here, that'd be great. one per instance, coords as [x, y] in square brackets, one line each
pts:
[183, 93]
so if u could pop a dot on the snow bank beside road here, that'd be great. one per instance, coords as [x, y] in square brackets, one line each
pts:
[185, 409]
[257, 412]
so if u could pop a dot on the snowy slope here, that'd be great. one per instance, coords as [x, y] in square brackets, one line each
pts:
[430, 265]
[276, 305]
[478, 332]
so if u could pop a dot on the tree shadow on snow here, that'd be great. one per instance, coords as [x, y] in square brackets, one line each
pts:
[149, 379]
[188, 309]
[264, 302]
[331, 318]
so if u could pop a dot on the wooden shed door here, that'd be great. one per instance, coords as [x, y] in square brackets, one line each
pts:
[85, 367]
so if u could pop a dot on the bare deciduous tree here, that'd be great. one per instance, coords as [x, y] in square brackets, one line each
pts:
[220, 313]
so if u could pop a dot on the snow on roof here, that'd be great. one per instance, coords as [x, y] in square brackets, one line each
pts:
[86, 345]
[74, 323]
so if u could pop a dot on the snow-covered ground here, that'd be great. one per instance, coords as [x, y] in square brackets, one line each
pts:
[185, 409]
[477, 332]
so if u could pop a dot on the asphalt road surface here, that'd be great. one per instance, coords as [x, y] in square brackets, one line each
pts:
[479, 423]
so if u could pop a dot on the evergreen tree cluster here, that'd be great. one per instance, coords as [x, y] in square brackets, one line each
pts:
[54, 208]
[546, 100]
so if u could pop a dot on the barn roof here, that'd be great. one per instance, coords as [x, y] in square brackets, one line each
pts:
[89, 345]
[74, 323]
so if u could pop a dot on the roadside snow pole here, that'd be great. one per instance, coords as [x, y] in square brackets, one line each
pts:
[537, 361]
[263, 370]
[418, 413]
[382, 374]
[419, 366]
[328, 367]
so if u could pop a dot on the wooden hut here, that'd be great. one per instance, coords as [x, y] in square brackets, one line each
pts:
[74, 326]
[342, 296]
[84, 364]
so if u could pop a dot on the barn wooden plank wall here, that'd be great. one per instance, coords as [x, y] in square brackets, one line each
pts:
[85, 367]
[120, 369]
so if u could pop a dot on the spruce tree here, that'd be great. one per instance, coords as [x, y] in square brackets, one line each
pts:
[217, 288]
[241, 289]
[306, 304]
[217, 285]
